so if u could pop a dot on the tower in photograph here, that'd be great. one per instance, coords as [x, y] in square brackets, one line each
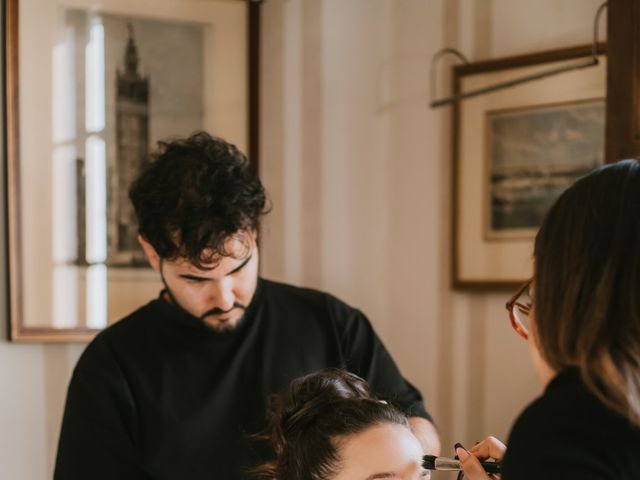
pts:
[132, 151]
[81, 212]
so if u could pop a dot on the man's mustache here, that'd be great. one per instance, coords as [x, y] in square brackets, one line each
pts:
[219, 311]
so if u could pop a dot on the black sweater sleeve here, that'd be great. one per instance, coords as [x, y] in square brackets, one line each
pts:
[537, 449]
[97, 438]
[366, 355]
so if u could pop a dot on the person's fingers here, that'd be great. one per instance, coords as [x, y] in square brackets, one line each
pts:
[471, 465]
[490, 447]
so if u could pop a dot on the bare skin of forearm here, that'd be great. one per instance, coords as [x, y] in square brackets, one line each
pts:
[426, 434]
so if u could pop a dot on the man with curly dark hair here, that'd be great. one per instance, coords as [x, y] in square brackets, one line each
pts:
[199, 207]
[175, 389]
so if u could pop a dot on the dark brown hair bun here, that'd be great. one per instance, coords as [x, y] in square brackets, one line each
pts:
[304, 422]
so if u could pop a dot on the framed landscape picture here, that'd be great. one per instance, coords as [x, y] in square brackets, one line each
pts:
[535, 153]
[515, 151]
[92, 86]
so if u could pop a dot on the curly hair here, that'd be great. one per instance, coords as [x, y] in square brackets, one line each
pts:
[304, 423]
[197, 193]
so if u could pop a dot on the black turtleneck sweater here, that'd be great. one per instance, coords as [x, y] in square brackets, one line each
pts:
[568, 433]
[159, 395]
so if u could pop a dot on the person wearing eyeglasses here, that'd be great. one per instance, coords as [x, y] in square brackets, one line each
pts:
[580, 315]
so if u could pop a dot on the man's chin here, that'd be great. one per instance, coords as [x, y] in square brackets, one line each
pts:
[221, 325]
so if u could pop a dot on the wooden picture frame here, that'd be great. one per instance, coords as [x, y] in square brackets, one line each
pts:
[538, 134]
[228, 34]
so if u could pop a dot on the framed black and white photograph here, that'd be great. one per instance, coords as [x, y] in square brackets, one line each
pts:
[107, 80]
[515, 150]
[136, 81]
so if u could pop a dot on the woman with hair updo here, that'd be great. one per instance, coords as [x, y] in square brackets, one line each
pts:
[327, 426]
[581, 316]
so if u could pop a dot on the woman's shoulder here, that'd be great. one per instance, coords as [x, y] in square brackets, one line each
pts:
[567, 430]
[565, 399]
[568, 408]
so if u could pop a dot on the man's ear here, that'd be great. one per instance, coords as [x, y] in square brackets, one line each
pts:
[150, 252]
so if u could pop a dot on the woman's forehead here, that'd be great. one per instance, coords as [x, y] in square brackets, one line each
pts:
[387, 450]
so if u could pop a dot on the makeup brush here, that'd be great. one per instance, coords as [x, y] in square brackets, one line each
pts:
[431, 462]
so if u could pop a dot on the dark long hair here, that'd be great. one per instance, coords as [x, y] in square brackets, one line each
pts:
[195, 194]
[304, 423]
[587, 284]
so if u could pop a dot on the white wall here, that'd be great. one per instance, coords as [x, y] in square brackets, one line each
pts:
[358, 170]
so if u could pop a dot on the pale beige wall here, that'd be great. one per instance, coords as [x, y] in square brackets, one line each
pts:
[358, 170]
[33, 382]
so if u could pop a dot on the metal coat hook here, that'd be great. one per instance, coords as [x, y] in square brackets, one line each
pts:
[591, 62]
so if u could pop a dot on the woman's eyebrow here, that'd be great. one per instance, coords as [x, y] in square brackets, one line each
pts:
[382, 475]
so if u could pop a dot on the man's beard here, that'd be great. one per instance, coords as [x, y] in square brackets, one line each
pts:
[220, 327]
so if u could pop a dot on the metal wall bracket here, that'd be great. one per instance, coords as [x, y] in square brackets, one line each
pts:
[591, 62]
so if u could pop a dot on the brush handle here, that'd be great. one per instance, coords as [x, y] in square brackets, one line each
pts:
[492, 467]
[444, 463]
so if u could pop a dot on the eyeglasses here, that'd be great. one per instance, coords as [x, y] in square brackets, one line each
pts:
[519, 307]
